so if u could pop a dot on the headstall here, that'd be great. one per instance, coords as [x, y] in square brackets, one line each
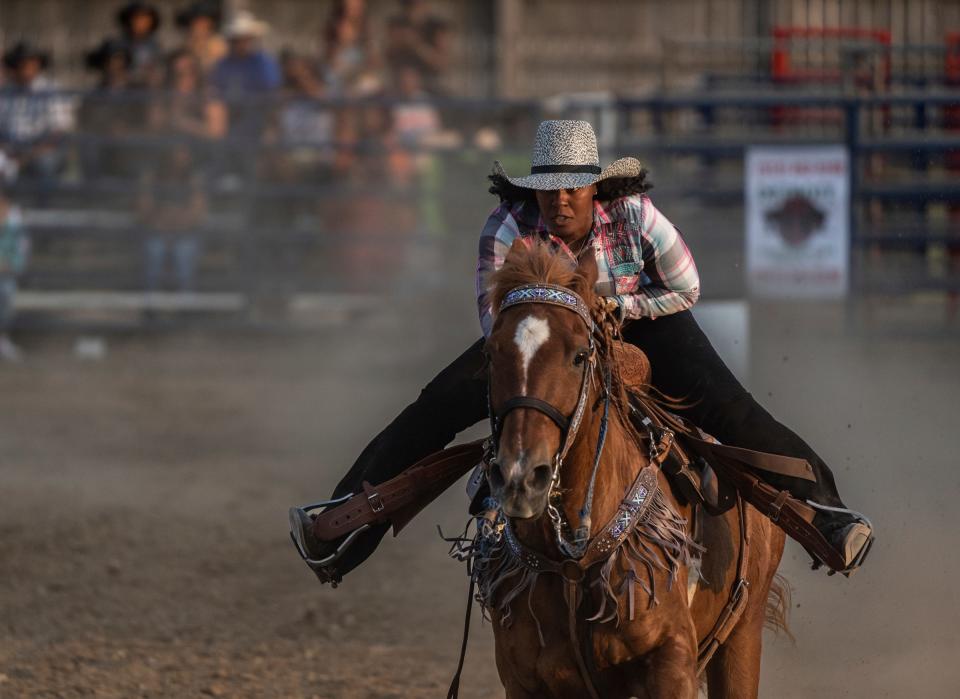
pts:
[554, 295]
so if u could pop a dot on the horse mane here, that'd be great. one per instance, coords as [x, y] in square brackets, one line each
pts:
[537, 262]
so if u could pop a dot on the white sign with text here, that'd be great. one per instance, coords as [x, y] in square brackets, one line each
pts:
[797, 214]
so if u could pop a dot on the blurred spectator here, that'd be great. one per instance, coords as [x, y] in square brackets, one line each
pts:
[200, 23]
[417, 36]
[302, 128]
[173, 209]
[14, 249]
[186, 108]
[139, 22]
[435, 52]
[347, 62]
[247, 68]
[110, 111]
[33, 115]
[173, 203]
[377, 205]
[415, 121]
[245, 73]
[354, 10]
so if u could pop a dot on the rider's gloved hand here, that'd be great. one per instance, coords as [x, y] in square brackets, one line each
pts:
[613, 309]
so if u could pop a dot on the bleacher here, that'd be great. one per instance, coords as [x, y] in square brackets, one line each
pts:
[894, 105]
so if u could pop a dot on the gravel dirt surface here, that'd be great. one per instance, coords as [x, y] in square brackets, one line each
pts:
[143, 540]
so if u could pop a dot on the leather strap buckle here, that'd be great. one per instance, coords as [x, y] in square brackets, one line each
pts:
[373, 498]
[742, 585]
[777, 505]
[376, 504]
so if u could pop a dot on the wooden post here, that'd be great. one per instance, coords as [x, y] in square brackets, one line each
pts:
[507, 57]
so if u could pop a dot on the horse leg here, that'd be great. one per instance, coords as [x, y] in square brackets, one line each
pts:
[734, 670]
[511, 674]
[668, 671]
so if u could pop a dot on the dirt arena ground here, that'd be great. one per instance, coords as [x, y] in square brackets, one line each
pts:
[143, 541]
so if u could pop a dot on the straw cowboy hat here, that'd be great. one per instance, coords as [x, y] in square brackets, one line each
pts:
[244, 24]
[565, 157]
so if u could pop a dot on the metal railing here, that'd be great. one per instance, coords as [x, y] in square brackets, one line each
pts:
[902, 149]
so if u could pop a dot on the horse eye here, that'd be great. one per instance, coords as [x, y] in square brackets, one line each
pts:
[581, 357]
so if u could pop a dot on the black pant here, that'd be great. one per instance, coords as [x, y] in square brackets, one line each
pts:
[685, 365]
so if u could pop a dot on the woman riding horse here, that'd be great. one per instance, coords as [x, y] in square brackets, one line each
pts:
[649, 280]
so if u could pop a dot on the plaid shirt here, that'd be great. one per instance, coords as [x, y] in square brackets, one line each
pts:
[643, 262]
[27, 114]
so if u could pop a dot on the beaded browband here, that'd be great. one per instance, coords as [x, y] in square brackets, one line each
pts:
[548, 293]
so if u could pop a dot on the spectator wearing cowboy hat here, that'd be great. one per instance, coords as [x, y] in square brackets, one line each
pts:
[246, 71]
[200, 23]
[139, 22]
[108, 111]
[247, 68]
[33, 116]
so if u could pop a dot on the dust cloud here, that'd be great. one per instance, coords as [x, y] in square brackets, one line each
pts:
[143, 542]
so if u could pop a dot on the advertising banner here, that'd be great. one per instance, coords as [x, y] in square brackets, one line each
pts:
[797, 215]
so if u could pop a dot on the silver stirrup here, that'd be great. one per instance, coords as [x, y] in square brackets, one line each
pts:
[859, 517]
[321, 566]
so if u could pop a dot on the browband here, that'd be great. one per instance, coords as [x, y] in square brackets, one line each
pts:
[551, 294]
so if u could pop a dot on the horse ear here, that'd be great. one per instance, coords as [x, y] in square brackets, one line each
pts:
[587, 267]
[519, 247]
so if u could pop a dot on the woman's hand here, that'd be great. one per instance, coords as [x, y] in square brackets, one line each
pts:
[609, 315]
[613, 309]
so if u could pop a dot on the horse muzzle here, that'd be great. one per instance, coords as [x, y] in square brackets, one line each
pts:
[521, 487]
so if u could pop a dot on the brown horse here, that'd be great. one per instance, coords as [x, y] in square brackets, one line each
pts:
[544, 573]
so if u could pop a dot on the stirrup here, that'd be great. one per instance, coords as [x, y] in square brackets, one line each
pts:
[858, 518]
[322, 567]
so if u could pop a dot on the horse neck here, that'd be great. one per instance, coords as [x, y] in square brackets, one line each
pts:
[620, 462]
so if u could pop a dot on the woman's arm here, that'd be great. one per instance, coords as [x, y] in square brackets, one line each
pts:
[497, 236]
[215, 119]
[674, 284]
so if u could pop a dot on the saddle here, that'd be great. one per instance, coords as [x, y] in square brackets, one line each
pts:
[693, 480]
[702, 471]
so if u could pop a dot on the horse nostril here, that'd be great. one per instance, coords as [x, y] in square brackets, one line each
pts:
[496, 475]
[541, 477]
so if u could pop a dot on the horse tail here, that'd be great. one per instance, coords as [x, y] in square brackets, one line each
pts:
[778, 606]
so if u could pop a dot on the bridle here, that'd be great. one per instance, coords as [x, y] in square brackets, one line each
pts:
[551, 294]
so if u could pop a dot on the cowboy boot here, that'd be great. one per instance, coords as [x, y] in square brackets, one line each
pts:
[848, 532]
[331, 560]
